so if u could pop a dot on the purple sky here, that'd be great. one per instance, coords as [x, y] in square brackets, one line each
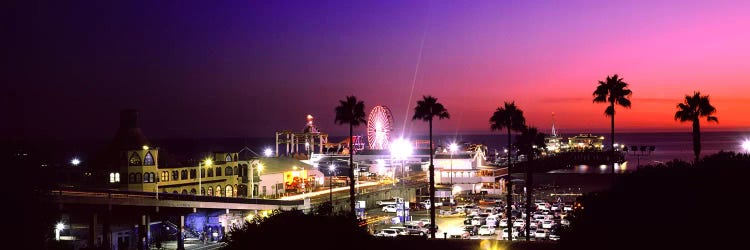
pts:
[235, 69]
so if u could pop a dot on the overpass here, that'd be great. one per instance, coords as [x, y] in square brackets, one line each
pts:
[103, 208]
[151, 199]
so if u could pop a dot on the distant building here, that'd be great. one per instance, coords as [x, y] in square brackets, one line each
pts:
[132, 163]
[465, 172]
[585, 142]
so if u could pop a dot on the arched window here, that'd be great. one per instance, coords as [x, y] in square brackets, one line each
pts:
[175, 175]
[219, 191]
[235, 190]
[184, 191]
[135, 159]
[192, 174]
[175, 192]
[210, 172]
[203, 191]
[138, 178]
[164, 176]
[192, 191]
[228, 171]
[218, 171]
[229, 191]
[153, 177]
[203, 173]
[210, 191]
[148, 160]
[228, 158]
[183, 175]
[234, 170]
[131, 178]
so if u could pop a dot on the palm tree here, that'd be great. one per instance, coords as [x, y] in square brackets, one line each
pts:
[530, 142]
[692, 109]
[613, 91]
[427, 109]
[510, 118]
[351, 112]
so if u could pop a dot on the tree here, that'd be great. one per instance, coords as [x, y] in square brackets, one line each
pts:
[613, 91]
[352, 112]
[427, 109]
[691, 110]
[511, 118]
[530, 143]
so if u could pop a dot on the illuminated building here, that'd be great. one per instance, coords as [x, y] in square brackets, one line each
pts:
[585, 142]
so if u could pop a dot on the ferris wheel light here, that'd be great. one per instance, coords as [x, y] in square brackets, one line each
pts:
[379, 127]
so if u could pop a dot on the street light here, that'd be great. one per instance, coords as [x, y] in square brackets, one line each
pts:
[75, 161]
[453, 148]
[208, 162]
[267, 152]
[746, 145]
[331, 169]
[400, 149]
[59, 227]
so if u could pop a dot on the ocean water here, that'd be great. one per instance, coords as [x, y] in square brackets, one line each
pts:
[668, 146]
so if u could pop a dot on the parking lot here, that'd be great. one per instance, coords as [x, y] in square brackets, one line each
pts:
[484, 217]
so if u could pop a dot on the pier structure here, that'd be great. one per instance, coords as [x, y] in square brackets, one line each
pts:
[309, 138]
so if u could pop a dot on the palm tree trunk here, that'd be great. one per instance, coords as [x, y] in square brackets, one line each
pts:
[509, 190]
[697, 139]
[351, 172]
[528, 195]
[432, 189]
[612, 154]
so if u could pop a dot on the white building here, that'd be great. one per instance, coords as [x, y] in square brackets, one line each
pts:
[465, 172]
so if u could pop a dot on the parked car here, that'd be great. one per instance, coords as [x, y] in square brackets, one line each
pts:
[519, 223]
[401, 230]
[389, 209]
[567, 208]
[387, 233]
[486, 230]
[467, 221]
[505, 233]
[504, 223]
[472, 230]
[541, 234]
[478, 221]
[416, 230]
[565, 222]
[553, 235]
[547, 224]
[491, 220]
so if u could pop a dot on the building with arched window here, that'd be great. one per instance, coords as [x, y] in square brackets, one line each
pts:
[148, 168]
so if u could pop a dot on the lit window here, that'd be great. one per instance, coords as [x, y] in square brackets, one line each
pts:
[111, 177]
[148, 160]
[228, 158]
[135, 159]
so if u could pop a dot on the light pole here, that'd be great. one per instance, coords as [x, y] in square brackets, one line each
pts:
[208, 162]
[400, 149]
[453, 148]
[331, 169]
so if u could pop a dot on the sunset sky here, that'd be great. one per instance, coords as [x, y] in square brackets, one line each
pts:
[235, 69]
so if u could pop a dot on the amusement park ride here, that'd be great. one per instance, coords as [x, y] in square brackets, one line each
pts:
[379, 129]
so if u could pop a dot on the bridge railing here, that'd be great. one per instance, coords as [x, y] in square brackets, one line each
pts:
[118, 194]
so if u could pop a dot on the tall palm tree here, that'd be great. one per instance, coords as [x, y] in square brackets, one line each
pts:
[692, 109]
[352, 112]
[511, 118]
[530, 143]
[613, 91]
[427, 109]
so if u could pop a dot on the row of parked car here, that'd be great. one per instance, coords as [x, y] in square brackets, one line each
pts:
[420, 227]
[546, 219]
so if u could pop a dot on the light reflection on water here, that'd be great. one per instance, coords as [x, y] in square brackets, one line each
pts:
[602, 169]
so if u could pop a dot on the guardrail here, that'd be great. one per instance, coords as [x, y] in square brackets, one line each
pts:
[117, 194]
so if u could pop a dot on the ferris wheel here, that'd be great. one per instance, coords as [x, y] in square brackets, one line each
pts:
[379, 127]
